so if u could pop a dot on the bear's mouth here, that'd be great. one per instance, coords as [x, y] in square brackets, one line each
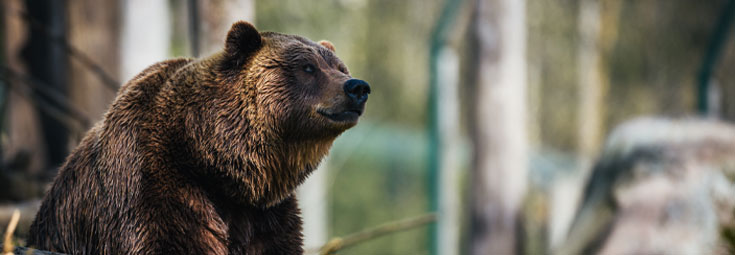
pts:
[350, 115]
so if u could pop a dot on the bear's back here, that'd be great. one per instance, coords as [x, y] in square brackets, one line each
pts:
[87, 205]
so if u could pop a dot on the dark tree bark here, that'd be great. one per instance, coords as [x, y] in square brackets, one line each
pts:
[46, 61]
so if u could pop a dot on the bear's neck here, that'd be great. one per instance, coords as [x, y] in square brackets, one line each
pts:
[278, 169]
[264, 176]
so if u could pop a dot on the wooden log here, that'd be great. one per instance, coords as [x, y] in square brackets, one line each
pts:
[30, 251]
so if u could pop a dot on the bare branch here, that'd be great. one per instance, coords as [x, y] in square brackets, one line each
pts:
[64, 112]
[339, 243]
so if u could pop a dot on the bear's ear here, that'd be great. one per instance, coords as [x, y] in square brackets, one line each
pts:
[242, 40]
[327, 45]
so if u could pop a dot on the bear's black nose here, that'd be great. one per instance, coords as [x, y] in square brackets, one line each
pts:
[357, 90]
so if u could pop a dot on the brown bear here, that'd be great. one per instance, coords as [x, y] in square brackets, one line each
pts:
[203, 156]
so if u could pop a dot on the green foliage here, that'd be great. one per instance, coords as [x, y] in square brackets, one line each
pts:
[376, 176]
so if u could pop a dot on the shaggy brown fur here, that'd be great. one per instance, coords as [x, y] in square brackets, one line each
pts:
[202, 156]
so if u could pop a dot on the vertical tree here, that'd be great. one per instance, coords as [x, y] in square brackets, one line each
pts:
[312, 195]
[598, 32]
[46, 62]
[21, 122]
[500, 142]
[591, 82]
[597, 25]
[215, 19]
[94, 30]
[146, 35]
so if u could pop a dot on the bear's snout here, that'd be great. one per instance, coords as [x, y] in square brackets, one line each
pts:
[357, 91]
[347, 108]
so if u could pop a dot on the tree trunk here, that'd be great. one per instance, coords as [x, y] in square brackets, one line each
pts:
[597, 26]
[313, 201]
[500, 159]
[21, 122]
[46, 62]
[94, 30]
[146, 35]
[590, 81]
[216, 17]
[592, 85]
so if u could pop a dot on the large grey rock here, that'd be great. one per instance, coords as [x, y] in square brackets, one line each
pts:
[660, 187]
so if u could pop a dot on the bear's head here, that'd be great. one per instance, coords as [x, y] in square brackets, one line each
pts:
[300, 84]
[274, 105]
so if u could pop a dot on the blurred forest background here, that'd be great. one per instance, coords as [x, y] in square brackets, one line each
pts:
[491, 112]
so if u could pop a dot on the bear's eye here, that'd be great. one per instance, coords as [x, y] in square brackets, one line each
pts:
[309, 68]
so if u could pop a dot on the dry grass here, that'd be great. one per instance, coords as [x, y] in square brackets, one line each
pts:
[8, 241]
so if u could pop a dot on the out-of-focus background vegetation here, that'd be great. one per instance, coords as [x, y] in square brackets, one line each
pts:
[577, 69]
